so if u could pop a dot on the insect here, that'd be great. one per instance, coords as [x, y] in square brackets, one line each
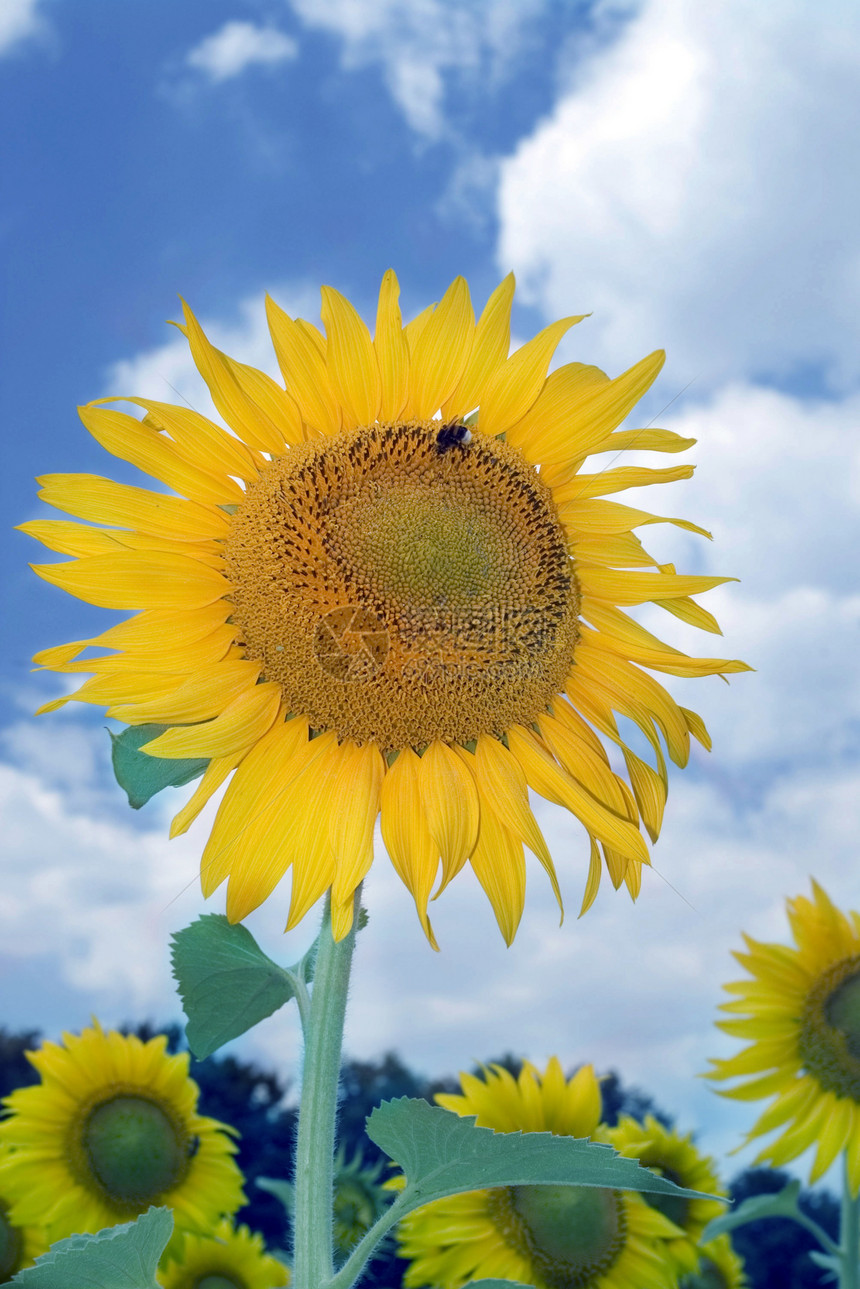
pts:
[451, 436]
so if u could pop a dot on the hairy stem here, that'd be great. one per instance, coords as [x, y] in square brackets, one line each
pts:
[849, 1235]
[312, 1217]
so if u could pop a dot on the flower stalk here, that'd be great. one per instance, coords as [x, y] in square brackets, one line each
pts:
[314, 1176]
[849, 1233]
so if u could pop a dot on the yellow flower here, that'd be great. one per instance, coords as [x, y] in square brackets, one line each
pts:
[552, 1237]
[672, 1155]
[720, 1268]
[112, 1128]
[801, 1009]
[232, 1258]
[19, 1245]
[359, 606]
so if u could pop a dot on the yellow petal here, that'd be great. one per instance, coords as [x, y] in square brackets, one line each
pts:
[241, 724]
[497, 862]
[633, 879]
[407, 838]
[621, 587]
[392, 349]
[263, 772]
[689, 611]
[180, 658]
[551, 781]
[597, 516]
[146, 632]
[356, 789]
[126, 437]
[645, 440]
[304, 370]
[279, 836]
[649, 789]
[105, 502]
[548, 422]
[502, 779]
[200, 439]
[595, 408]
[250, 402]
[516, 384]
[592, 882]
[351, 359]
[489, 351]
[597, 485]
[69, 538]
[441, 351]
[201, 697]
[581, 762]
[213, 776]
[131, 581]
[637, 689]
[450, 801]
[314, 864]
[697, 727]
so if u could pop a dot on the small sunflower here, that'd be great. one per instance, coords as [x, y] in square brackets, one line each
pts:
[667, 1152]
[19, 1245]
[111, 1129]
[801, 1009]
[719, 1268]
[232, 1258]
[359, 605]
[552, 1237]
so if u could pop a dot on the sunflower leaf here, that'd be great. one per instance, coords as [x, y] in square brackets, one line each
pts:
[781, 1204]
[442, 1154]
[141, 776]
[226, 982]
[121, 1257]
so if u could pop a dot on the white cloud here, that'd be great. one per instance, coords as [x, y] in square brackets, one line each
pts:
[239, 45]
[19, 20]
[419, 44]
[695, 189]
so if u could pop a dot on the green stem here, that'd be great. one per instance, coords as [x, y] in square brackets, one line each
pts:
[312, 1215]
[849, 1234]
[346, 1277]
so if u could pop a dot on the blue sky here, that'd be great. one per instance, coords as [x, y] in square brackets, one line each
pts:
[689, 175]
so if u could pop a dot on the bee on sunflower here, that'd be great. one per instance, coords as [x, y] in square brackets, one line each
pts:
[360, 606]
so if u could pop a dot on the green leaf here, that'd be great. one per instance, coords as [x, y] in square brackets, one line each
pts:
[142, 776]
[280, 1189]
[444, 1154]
[827, 1262]
[782, 1204]
[226, 982]
[121, 1257]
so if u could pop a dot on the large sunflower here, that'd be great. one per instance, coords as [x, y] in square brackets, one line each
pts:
[667, 1152]
[231, 1258]
[552, 1237]
[801, 1009]
[359, 606]
[111, 1129]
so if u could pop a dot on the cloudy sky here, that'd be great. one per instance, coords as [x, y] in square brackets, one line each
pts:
[687, 174]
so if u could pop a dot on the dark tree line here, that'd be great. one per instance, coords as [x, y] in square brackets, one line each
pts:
[258, 1104]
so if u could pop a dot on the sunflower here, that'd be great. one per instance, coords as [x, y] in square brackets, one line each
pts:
[232, 1258]
[719, 1268]
[19, 1245]
[672, 1155]
[552, 1237]
[361, 604]
[801, 1008]
[111, 1129]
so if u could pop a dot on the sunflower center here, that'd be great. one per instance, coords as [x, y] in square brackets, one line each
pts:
[134, 1149]
[675, 1207]
[570, 1234]
[829, 1041]
[218, 1282]
[403, 588]
[709, 1276]
[11, 1247]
